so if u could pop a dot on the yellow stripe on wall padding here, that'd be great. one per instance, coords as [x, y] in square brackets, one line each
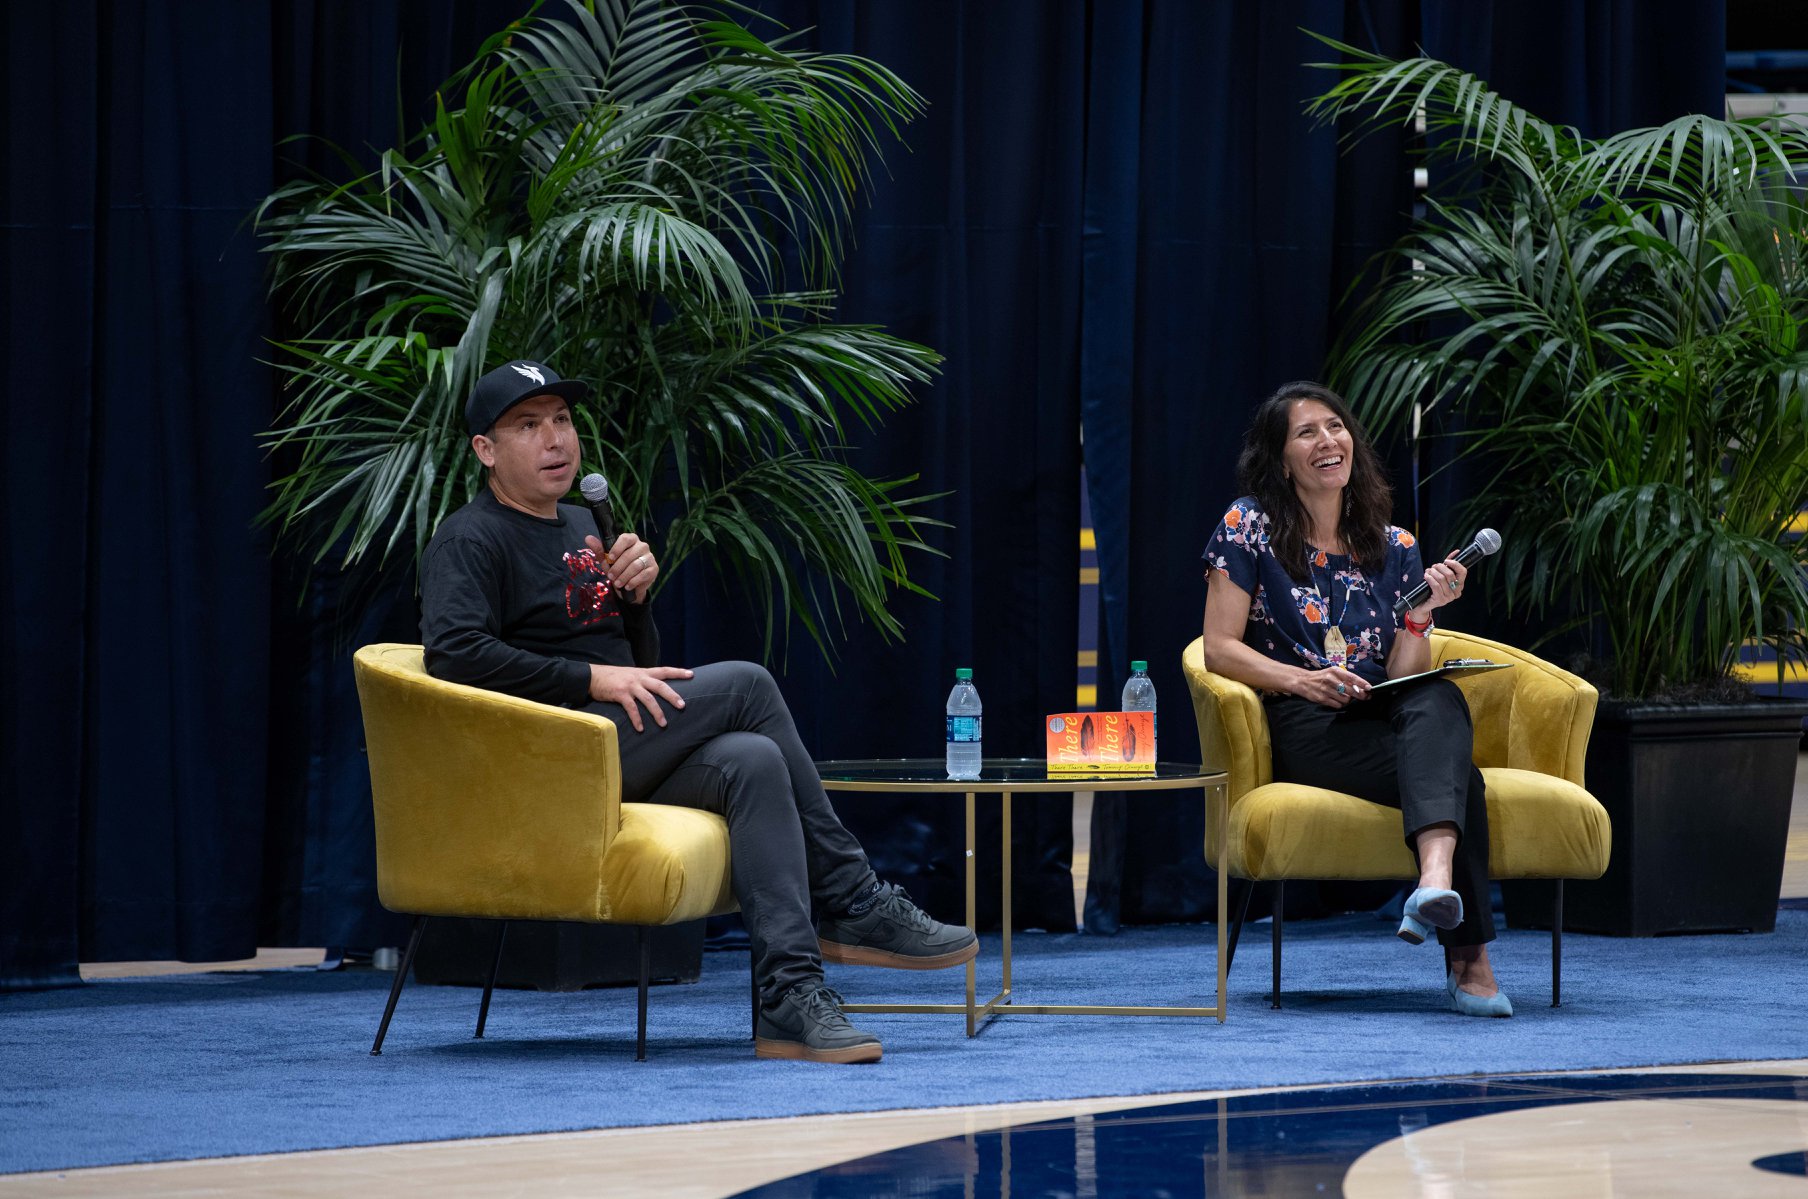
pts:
[1761, 673]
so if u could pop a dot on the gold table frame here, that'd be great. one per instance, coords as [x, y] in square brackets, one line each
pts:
[928, 776]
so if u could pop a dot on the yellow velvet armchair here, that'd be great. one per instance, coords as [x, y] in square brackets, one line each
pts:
[1531, 736]
[498, 808]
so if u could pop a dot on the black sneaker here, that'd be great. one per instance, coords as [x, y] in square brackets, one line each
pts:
[808, 1025]
[895, 932]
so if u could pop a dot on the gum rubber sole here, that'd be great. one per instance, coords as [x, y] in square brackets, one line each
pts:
[797, 1051]
[860, 955]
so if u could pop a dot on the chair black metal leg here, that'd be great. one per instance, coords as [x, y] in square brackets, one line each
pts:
[489, 984]
[1557, 947]
[395, 988]
[1280, 893]
[1239, 908]
[645, 947]
[753, 972]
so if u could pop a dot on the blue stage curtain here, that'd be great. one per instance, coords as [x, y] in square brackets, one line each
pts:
[142, 662]
[1222, 229]
[340, 70]
[1112, 215]
[46, 240]
[138, 598]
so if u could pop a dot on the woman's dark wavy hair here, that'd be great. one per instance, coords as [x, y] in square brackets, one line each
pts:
[1261, 472]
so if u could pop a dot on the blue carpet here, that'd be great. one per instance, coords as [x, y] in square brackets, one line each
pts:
[220, 1064]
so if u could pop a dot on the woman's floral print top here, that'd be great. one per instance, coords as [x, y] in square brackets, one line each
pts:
[1288, 618]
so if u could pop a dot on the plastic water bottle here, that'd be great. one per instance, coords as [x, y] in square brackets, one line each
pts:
[963, 727]
[1139, 696]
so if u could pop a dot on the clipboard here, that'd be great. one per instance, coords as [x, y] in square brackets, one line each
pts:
[1456, 668]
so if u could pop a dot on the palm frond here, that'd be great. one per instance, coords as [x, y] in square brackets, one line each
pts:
[616, 190]
[1615, 324]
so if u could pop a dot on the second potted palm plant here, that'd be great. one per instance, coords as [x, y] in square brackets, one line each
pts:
[1611, 330]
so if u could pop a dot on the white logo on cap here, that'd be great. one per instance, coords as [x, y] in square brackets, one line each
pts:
[528, 372]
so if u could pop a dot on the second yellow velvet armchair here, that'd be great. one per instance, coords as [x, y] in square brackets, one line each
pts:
[499, 808]
[1531, 736]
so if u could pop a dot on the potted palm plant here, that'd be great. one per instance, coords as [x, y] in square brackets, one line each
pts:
[648, 196]
[653, 199]
[1609, 330]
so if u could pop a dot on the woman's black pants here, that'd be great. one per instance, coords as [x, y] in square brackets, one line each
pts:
[1408, 748]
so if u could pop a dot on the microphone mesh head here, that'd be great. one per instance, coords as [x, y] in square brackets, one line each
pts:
[596, 490]
[1487, 541]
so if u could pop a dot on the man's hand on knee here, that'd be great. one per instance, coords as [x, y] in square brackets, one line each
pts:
[634, 687]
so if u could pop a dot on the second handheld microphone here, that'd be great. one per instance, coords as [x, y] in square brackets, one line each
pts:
[1485, 543]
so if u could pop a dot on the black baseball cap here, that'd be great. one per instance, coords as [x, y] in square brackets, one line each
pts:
[511, 383]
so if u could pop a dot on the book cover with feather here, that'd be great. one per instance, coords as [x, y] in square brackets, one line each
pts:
[1101, 742]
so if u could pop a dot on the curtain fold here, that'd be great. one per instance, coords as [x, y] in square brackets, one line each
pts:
[968, 242]
[1242, 236]
[49, 202]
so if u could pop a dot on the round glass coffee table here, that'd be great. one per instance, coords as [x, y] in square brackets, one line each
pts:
[1005, 777]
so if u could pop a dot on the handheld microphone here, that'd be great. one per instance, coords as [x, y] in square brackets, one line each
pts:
[1485, 543]
[595, 490]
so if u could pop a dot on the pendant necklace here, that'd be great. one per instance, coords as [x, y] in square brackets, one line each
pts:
[1337, 649]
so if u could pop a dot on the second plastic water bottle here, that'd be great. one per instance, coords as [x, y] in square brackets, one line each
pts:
[1139, 696]
[964, 718]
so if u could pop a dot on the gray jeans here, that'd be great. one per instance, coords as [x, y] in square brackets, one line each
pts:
[733, 750]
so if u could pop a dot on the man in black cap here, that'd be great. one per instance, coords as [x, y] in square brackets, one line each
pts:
[518, 594]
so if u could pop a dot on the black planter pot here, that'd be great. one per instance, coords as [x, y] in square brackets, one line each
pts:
[1699, 796]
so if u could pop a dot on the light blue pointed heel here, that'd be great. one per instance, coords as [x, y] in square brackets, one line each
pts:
[1428, 908]
[1465, 1004]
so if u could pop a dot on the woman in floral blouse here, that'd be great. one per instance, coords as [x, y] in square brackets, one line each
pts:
[1302, 574]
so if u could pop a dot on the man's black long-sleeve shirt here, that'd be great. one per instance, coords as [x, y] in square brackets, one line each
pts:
[519, 604]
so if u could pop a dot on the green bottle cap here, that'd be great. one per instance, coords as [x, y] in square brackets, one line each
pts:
[965, 672]
[1139, 665]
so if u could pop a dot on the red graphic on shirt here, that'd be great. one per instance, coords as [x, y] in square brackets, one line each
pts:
[589, 595]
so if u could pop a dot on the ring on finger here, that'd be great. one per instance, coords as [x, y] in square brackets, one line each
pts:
[1340, 688]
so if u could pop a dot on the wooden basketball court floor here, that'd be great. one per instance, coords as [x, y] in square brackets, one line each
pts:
[1629, 1144]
